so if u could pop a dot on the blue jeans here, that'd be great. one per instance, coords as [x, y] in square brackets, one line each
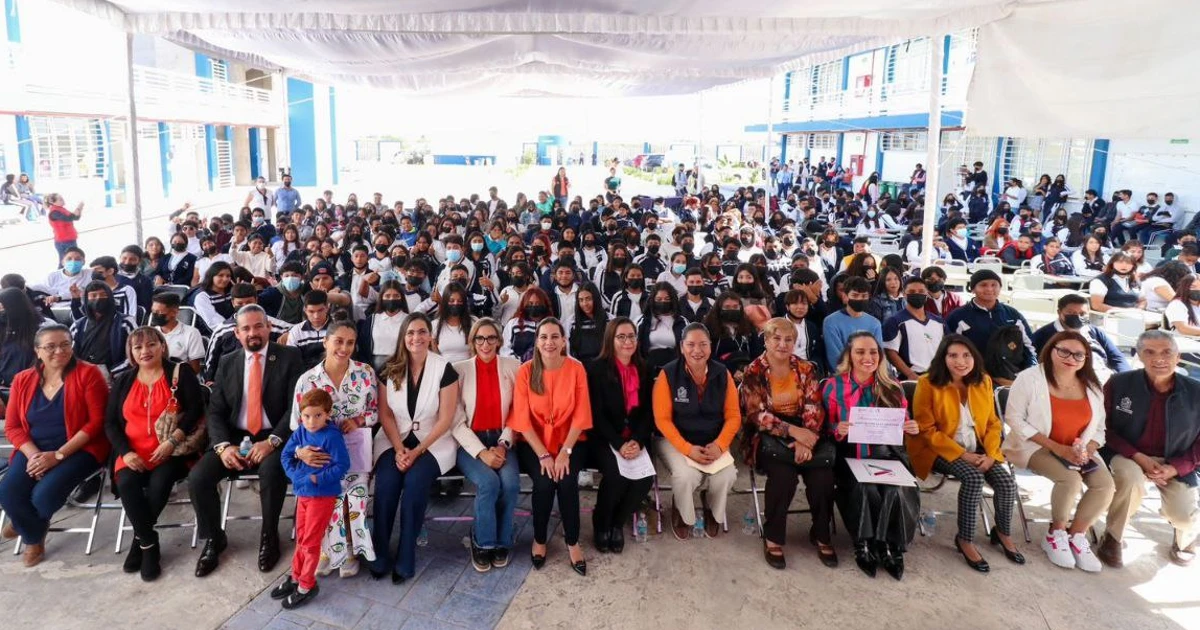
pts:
[62, 248]
[31, 503]
[408, 491]
[496, 495]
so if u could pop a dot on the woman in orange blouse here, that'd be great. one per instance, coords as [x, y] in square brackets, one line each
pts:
[551, 410]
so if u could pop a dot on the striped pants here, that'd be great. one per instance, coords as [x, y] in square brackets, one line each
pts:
[970, 493]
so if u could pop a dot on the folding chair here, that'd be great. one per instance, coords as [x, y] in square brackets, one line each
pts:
[229, 486]
[123, 527]
[1002, 406]
[187, 315]
[95, 507]
[178, 289]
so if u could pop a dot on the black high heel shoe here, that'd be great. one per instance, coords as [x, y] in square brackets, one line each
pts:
[893, 562]
[1013, 556]
[979, 565]
[538, 560]
[578, 567]
[864, 558]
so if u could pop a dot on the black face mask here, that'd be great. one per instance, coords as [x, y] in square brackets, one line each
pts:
[456, 310]
[619, 262]
[652, 250]
[859, 306]
[935, 287]
[158, 319]
[520, 281]
[381, 248]
[210, 251]
[179, 247]
[101, 306]
[732, 315]
[129, 268]
[694, 290]
[390, 306]
[743, 287]
[662, 308]
[398, 262]
[636, 284]
[916, 300]
[1073, 321]
[688, 247]
[536, 311]
[589, 244]
[1002, 231]
[1194, 296]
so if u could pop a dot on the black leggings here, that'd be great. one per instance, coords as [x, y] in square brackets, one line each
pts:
[618, 497]
[145, 494]
[544, 491]
[782, 480]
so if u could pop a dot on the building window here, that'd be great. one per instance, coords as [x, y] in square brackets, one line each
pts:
[823, 141]
[68, 148]
[903, 141]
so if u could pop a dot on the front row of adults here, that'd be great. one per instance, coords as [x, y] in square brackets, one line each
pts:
[550, 417]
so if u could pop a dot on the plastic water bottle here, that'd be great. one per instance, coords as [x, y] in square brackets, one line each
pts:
[749, 523]
[245, 446]
[641, 528]
[698, 528]
[928, 522]
[1080, 448]
[423, 537]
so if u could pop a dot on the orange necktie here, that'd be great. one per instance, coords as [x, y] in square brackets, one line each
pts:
[254, 410]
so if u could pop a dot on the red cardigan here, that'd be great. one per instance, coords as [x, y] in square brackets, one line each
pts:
[85, 397]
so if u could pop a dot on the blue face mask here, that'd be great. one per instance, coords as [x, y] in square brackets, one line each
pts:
[73, 266]
[290, 283]
[678, 269]
[476, 247]
[453, 255]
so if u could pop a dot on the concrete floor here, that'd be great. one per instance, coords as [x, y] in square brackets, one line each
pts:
[720, 583]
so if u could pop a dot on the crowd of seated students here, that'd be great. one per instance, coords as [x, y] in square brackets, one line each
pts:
[544, 338]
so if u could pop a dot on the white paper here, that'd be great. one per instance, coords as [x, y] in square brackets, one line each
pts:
[877, 425]
[358, 442]
[886, 471]
[639, 467]
[722, 462]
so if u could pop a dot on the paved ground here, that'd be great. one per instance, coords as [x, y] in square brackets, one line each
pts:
[719, 583]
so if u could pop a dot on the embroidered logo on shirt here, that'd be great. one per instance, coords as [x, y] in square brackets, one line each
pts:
[681, 395]
[1126, 406]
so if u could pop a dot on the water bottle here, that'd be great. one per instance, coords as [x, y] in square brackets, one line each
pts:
[423, 537]
[928, 522]
[750, 523]
[244, 447]
[698, 528]
[1080, 448]
[641, 528]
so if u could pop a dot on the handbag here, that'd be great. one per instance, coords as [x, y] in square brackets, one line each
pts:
[168, 421]
[780, 449]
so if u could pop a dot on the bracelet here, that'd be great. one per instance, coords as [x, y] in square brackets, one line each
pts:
[173, 442]
[546, 456]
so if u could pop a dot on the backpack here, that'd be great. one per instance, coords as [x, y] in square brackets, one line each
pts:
[1005, 353]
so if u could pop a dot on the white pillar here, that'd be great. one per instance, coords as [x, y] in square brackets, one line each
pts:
[933, 143]
[766, 165]
[134, 164]
[283, 140]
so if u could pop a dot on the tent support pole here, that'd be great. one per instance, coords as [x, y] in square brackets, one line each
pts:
[134, 158]
[767, 153]
[933, 144]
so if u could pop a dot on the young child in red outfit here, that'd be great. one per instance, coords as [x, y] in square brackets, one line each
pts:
[316, 489]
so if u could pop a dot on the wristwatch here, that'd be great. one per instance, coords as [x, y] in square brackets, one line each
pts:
[275, 441]
[567, 451]
[58, 456]
[220, 448]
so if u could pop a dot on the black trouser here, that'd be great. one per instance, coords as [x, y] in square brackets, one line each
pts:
[545, 489]
[144, 495]
[618, 497]
[782, 478]
[206, 477]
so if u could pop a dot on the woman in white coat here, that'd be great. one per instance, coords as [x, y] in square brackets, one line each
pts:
[418, 398]
[1055, 415]
[485, 454]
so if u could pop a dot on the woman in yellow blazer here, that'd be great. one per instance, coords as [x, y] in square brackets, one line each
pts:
[959, 435]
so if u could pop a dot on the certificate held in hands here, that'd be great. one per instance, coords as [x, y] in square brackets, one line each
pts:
[877, 425]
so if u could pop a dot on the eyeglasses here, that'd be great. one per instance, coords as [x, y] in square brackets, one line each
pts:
[486, 339]
[626, 338]
[1063, 353]
[56, 347]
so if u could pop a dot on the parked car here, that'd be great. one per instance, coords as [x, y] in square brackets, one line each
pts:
[652, 161]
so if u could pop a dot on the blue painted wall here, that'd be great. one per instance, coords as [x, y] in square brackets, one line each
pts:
[210, 154]
[110, 172]
[333, 145]
[544, 144]
[12, 21]
[25, 145]
[1099, 166]
[203, 66]
[254, 152]
[950, 119]
[302, 133]
[460, 160]
[164, 159]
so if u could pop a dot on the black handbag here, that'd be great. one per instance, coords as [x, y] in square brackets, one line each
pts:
[780, 449]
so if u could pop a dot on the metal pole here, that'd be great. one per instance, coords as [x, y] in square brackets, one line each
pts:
[766, 165]
[283, 140]
[933, 149]
[134, 162]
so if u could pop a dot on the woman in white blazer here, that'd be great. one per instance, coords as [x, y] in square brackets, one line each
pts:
[485, 443]
[418, 398]
[1055, 415]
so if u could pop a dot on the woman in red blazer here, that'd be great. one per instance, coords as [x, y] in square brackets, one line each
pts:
[55, 421]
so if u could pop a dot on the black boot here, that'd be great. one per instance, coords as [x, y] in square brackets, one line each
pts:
[151, 561]
[133, 561]
[894, 565]
[863, 557]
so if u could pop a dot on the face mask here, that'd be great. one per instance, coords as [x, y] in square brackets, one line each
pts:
[870, 214]
[916, 300]
[935, 287]
[743, 287]
[732, 315]
[456, 310]
[210, 251]
[100, 306]
[536, 311]
[789, 241]
[520, 281]
[652, 250]
[390, 306]
[73, 266]
[694, 290]
[857, 305]
[158, 319]
[129, 268]
[1002, 231]
[414, 280]
[662, 308]
[1194, 296]
[1073, 321]
[620, 261]
[678, 269]
[179, 247]
[747, 240]
[453, 255]
[589, 244]
[714, 270]
[398, 262]
[636, 284]
[960, 233]
[651, 226]
[771, 254]
[257, 220]
[688, 247]
[476, 247]
[538, 250]
[546, 226]
[1035, 235]
[381, 247]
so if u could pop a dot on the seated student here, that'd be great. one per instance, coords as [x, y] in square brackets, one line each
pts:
[184, 342]
[1053, 261]
[661, 329]
[888, 297]
[987, 322]
[1073, 315]
[1055, 413]
[99, 335]
[67, 281]
[1143, 447]
[1117, 286]
[810, 345]
[309, 335]
[735, 340]
[911, 337]
[961, 247]
[838, 326]
[1158, 286]
[104, 269]
[696, 410]
[694, 305]
[1182, 315]
[942, 301]
[960, 435]
[285, 301]
[1018, 251]
[224, 338]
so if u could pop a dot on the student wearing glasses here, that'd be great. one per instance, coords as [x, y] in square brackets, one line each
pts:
[485, 442]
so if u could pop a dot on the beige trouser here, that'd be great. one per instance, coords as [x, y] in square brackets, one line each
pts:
[1178, 501]
[685, 480]
[1067, 486]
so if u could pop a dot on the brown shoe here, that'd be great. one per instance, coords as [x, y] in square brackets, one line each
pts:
[33, 555]
[682, 530]
[712, 528]
[1109, 552]
[9, 532]
[1183, 557]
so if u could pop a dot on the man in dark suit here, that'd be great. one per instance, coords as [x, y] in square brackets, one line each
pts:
[251, 397]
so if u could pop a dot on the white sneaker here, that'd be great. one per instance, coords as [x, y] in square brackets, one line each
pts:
[1084, 558]
[1058, 549]
[350, 568]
